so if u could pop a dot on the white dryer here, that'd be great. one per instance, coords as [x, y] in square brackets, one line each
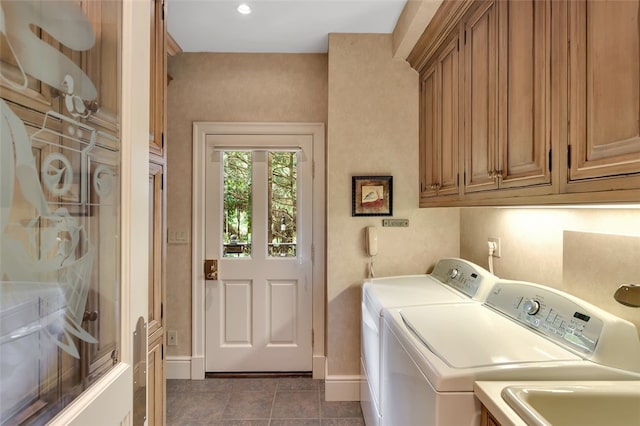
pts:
[452, 281]
[432, 355]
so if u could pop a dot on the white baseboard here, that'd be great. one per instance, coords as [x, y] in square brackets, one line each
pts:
[178, 367]
[342, 387]
[192, 368]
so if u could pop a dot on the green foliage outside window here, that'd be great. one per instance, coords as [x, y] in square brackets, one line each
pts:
[282, 202]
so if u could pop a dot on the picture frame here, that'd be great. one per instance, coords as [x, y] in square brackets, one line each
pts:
[372, 195]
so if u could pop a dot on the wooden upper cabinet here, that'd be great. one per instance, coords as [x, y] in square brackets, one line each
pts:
[158, 81]
[100, 65]
[439, 125]
[507, 103]
[604, 89]
[524, 79]
[17, 86]
[429, 163]
[480, 35]
[544, 107]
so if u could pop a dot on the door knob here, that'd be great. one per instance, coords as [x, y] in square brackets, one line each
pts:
[90, 316]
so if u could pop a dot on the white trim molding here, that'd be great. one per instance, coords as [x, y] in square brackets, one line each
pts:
[318, 366]
[197, 367]
[200, 132]
[342, 387]
[178, 367]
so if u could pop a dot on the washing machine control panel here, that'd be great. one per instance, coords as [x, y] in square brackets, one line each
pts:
[559, 316]
[463, 276]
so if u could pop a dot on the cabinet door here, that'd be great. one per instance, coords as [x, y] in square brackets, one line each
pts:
[156, 238]
[480, 98]
[524, 83]
[156, 382]
[100, 65]
[428, 133]
[439, 125]
[17, 86]
[604, 90]
[158, 78]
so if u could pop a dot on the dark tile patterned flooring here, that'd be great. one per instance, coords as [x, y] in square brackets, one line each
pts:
[290, 401]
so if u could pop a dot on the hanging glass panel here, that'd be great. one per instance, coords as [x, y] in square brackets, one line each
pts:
[59, 203]
[237, 203]
[283, 208]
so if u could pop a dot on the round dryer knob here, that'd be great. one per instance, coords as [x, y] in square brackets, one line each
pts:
[454, 273]
[531, 306]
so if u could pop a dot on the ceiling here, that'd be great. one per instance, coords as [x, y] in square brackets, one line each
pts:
[275, 26]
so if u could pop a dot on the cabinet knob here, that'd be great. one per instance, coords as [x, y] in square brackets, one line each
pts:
[90, 316]
[495, 174]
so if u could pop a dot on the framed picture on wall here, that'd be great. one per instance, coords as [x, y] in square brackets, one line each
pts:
[372, 195]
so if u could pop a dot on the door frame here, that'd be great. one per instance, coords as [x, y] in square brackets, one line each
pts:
[201, 129]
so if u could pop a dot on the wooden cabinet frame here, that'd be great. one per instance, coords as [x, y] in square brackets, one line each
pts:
[156, 327]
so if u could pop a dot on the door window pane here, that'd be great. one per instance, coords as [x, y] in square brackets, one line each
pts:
[283, 208]
[237, 203]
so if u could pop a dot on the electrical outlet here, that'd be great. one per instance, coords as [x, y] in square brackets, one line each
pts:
[172, 338]
[497, 250]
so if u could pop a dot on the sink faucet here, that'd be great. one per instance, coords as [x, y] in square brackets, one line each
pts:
[628, 295]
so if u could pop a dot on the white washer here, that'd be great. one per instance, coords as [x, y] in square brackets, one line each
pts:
[432, 355]
[452, 281]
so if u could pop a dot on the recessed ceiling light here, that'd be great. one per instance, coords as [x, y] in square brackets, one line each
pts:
[244, 9]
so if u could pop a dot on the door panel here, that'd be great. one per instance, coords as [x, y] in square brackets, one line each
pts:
[439, 125]
[481, 47]
[258, 212]
[236, 313]
[604, 88]
[281, 309]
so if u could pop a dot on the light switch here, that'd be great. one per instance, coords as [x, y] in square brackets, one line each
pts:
[177, 237]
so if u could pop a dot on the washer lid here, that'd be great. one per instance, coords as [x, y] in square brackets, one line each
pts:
[471, 335]
[409, 290]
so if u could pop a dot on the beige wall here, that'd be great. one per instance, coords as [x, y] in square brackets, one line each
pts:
[373, 130]
[225, 87]
[585, 252]
[370, 104]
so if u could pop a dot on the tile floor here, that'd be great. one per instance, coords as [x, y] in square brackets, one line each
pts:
[290, 401]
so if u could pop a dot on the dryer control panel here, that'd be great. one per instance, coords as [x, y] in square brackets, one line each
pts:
[548, 312]
[464, 276]
[569, 321]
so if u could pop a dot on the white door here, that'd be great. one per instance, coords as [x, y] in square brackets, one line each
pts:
[258, 210]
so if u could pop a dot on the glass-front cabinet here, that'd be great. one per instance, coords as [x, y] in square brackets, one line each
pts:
[60, 202]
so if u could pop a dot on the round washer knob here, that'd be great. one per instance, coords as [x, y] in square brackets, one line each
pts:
[531, 306]
[454, 273]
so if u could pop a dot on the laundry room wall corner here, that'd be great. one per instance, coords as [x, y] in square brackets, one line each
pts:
[372, 130]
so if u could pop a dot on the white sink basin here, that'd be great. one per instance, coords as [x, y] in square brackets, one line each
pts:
[596, 403]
